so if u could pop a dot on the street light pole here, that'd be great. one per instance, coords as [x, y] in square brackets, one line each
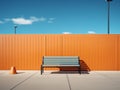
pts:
[15, 29]
[108, 1]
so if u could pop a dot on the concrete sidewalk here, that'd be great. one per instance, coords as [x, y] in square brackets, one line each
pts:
[32, 80]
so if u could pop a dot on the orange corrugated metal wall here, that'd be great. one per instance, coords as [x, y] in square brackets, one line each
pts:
[99, 52]
[118, 52]
[22, 51]
[96, 52]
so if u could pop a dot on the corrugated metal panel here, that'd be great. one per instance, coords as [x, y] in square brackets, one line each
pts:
[53, 45]
[22, 51]
[88, 49]
[97, 52]
[94, 50]
[71, 45]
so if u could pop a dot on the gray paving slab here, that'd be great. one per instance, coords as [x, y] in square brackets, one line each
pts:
[96, 81]
[8, 81]
[45, 82]
[32, 80]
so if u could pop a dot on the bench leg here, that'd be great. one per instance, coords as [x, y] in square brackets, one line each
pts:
[41, 69]
[80, 70]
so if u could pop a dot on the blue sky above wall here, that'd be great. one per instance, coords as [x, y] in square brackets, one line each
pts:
[58, 16]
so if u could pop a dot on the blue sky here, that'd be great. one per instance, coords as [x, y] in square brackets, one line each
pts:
[58, 16]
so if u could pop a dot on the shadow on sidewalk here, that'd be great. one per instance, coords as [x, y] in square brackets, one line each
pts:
[69, 72]
[84, 69]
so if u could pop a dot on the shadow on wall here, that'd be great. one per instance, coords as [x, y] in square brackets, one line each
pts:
[84, 66]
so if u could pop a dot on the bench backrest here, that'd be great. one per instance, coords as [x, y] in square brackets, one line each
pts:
[61, 60]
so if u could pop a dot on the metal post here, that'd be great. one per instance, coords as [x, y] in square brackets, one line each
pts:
[15, 29]
[108, 17]
[108, 1]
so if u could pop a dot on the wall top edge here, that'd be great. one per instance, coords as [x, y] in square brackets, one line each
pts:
[63, 34]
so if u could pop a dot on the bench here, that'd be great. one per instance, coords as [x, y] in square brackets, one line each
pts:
[60, 61]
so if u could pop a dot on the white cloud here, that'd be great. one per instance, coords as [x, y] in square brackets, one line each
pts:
[91, 32]
[67, 33]
[28, 21]
[22, 21]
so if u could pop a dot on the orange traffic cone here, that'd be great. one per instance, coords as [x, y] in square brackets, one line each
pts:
[13, 70]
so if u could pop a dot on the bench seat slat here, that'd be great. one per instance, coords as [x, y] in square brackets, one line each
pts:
[60, 62]
[63, 57]
[60, 58]
[61, 65]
